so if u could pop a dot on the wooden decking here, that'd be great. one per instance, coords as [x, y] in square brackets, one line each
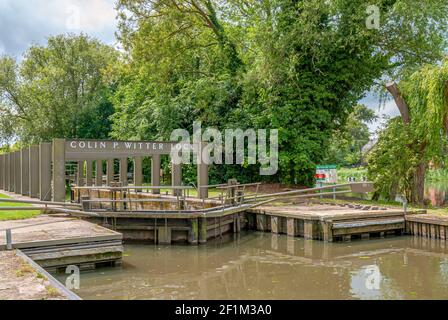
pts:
[428, 226]
[55, 242]
[327, 222]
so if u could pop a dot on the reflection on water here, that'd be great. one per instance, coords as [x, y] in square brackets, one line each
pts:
[265, 266]
[436, 193]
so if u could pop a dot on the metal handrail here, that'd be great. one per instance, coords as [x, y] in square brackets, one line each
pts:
[46, 203]
[135, 188]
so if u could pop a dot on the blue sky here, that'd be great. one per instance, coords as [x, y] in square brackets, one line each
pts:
[27, 22]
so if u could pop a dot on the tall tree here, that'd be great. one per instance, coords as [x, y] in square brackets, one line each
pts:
[420, 134]
[347, 141]
[58, 90]
[297, 66]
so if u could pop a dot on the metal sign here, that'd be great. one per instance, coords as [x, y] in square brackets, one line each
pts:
[326, 174]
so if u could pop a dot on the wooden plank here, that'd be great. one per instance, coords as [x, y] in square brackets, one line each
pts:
[275, 225]
[327, 228]
[357, 224]
[308, 230]
[367, 229]
[424, 230]
[291, 227]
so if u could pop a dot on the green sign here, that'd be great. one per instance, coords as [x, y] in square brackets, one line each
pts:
[326, 167]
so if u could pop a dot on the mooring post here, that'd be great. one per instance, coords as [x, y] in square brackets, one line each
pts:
[8, 239]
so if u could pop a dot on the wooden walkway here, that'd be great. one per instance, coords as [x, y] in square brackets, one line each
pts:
[55, 242]
[328, 222]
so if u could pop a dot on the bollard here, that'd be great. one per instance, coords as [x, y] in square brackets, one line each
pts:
[8, 239]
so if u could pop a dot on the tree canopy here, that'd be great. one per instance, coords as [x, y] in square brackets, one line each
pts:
[419, 137]
[299, 66]
[58, 90]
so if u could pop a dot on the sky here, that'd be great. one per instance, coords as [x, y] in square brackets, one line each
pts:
[27, 22]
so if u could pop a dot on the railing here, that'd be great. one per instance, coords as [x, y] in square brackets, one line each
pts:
[126, 198]
[232, 195]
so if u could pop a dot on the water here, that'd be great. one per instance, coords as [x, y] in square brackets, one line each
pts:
[265, 266]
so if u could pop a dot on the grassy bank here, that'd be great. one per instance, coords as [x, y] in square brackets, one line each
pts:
[345, 173]
[432, 175]
[437, 175]
[17, 214]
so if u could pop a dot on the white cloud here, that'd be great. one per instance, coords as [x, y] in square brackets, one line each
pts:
[388, 109]
[24, 22]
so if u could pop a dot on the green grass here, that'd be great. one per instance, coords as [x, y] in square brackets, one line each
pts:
[345, 173]
[433, 175]
[437, 175]
[18, 214]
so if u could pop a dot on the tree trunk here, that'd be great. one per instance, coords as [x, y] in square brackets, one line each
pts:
[419, 183]
[399, 101]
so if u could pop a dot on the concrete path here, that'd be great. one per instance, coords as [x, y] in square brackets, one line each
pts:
[19, 280]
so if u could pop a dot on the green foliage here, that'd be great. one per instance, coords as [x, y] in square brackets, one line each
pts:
[297, 66]
[293, 65]
[440, 174]
[394, 161]
[347, 141]
[57, 91]
[391, 165]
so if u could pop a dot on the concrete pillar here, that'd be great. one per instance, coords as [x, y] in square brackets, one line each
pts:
[8, 172]
[176, 177]
[59, 170]
[193, 232]
[80, 174]
[110, 171]
[138, 171]
[34, 171]
[291, 227]
[124, 171]
[18, 172]
[89, 173]
[12, 172]
[98, 173]
[202, 173]
[25, 171]
[202, 229]
[45, 156]
[275, 225]
[2, 170]
[155, 172]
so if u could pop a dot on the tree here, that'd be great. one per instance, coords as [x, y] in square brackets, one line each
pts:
[419, 135]
[297, 66]
[58, 91]
[347, 142]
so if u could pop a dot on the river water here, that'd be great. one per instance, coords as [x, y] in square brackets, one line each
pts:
[256, 265]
